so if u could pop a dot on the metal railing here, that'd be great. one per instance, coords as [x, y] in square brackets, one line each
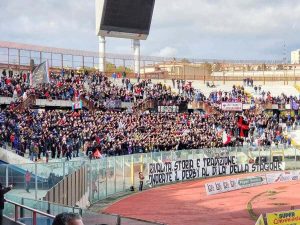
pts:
[23, 214]
[116, 175]
[22, 49]
[19, 211]
[43, 206]
[112, 175]
[18, 56]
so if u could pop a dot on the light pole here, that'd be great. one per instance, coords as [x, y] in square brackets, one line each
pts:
[295, 74]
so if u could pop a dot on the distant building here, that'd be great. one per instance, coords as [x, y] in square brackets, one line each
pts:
[295, 57]
[179, 70]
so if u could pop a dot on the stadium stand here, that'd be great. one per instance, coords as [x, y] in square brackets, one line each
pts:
[34, 133]
[122, 116]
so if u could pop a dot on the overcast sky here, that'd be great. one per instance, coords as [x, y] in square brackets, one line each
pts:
[222, 29]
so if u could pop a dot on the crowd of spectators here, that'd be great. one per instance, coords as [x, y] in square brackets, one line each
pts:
[94, 86]
[69, 84]
[61, 87]
[13, 85]
[67, 133]
[57, 133]
[265, 97]
[237, 94]
[248, 82]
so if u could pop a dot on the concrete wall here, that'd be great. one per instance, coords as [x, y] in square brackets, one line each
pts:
[71, 190]
[274, 73]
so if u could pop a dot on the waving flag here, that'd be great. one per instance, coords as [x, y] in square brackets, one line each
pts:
[226, 138]
[2, 118]
[40, 75]
[243, 126]
[294, 105]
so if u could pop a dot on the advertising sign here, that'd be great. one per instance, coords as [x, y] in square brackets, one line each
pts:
[282, 177]
[260, 220]
[232, 106]
[240, 183]
[251, 181]
[291, 217]
[234, 184]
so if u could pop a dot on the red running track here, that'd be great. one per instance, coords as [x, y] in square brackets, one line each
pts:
[187, 203]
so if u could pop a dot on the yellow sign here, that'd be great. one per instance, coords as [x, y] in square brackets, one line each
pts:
[284, 218]
[260, 220]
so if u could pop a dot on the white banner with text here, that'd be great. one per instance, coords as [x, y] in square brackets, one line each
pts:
[232, 106]
[180, 170]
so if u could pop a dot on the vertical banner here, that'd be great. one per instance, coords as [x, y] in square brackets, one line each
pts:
[77, 105]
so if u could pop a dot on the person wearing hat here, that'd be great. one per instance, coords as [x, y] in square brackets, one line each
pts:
[3, 191]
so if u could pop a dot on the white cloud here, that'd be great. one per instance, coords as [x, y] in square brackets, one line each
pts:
[167, 52]
[234, 29]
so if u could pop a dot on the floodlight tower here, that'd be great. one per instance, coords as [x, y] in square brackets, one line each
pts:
[129, 19]
[102, 52]
[137, 56]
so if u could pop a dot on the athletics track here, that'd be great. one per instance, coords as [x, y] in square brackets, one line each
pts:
[187, 203]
